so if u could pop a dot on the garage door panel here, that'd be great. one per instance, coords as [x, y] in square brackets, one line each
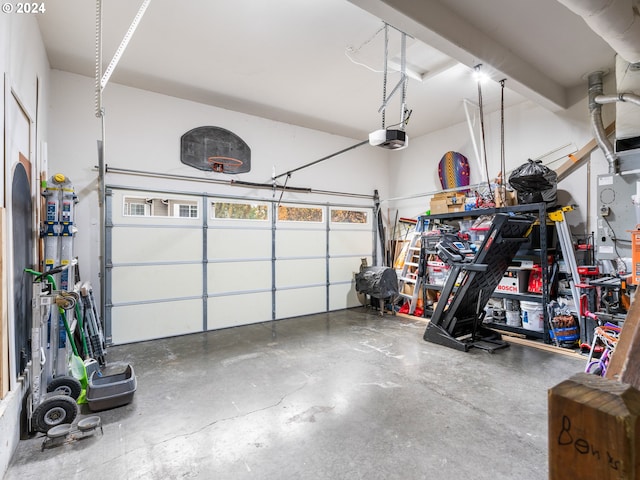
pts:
[238, 276]
[136, 323]
[343, 269]
[155, 282]
[300, 272]
[350, 242]
[301, 243]
[148, 245]
[234, 310]
[300, 301]
[342, 296]
[226, 243]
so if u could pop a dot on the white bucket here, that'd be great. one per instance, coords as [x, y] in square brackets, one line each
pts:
[532, 316]
[513, 318]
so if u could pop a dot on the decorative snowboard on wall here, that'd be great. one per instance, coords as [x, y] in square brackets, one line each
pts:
[215, 149]
[453, 170]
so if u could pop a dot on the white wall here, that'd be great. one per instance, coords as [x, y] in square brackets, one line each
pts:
[143, 131]
[530, 132]
[23, 64]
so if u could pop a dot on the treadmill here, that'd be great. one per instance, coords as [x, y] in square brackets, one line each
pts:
[457, 319]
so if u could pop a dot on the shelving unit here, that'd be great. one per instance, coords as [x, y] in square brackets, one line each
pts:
[539, 254]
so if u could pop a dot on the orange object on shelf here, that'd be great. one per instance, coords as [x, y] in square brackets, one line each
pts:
[635, 256]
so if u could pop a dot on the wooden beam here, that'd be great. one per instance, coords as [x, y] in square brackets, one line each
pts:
[538, 344]
[594, 429]
[624, 365]
[578, 158]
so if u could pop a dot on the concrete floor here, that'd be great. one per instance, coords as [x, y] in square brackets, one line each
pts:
[345, 395]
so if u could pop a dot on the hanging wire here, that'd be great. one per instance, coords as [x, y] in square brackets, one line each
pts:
[407, 116]
[370, 39]
[357, 49]
[355, 62]
[386, 71]
[484, 143]
[503, 167]
[405, 81]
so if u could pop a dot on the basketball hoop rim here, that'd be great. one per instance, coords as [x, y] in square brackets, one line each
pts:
[225, 160]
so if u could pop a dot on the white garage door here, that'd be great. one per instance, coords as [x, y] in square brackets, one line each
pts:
[180, 263]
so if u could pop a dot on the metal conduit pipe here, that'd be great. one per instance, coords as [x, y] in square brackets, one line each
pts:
[595, 110]
[620, 97]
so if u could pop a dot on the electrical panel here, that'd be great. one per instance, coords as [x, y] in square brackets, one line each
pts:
[616, 215]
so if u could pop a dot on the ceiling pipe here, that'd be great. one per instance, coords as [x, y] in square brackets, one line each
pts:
[616, 21]
[595, 111]
[620, 97]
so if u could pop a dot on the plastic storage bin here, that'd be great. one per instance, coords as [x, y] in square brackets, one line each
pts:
[477, 234]
[111, 388]
[438, 272]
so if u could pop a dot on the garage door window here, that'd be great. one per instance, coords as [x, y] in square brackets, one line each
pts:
[349, 216]
[136, 207]
[186, 211]
[160, 207]
[300, 214]
[239, 211]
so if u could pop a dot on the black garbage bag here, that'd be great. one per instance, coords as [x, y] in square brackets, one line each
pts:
[378, 282]
[534, 183]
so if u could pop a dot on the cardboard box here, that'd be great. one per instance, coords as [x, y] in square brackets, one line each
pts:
[447, 202]
[439, 206]
[511, 198]
[456, 199]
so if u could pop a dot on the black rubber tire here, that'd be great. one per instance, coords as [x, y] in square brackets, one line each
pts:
[66, 385]
[54, 411]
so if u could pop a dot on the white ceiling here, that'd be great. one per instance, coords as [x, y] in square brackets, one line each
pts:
[295, 60]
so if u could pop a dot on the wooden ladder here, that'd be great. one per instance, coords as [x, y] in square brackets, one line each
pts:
[409, 274]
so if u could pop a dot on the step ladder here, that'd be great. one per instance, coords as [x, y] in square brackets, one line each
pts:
[568, 254]
[408, 276]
